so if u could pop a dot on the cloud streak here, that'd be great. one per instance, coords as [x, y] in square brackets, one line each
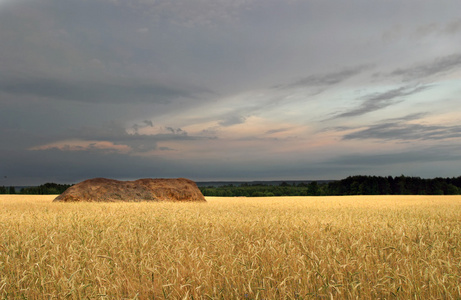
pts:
[328, 79]
[115, 91]
[79, 145]
[377, 101]
[406, 157]
[424, 70]
[404, 131]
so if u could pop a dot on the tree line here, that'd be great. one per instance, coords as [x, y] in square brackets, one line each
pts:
[44, 189]
[7, 190]
[352, 185]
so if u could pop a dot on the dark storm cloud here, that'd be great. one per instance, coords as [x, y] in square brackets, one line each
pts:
[139, 88]
[71, 167]
[424, 70]
[115, 91]
[377, 101]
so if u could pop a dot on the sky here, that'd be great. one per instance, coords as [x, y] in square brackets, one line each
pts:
[228, 89]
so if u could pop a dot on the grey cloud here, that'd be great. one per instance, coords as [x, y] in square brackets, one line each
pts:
[379, 101]
[114, 132]
[166, 149]
[405, 118]
[176, 131]
[403, 158]
[145, 123]
[409, 117]
[395, 93]
[73, 63]
[140, 145]
[232, 119]
[451, 27]
[148, 123]
[72, 167]
[437, 66]
[336, 128]
[327, 79]
[406, 131]
[426, 29]
[116, 91]
[277, 130]
[251, 107]
[189, 13]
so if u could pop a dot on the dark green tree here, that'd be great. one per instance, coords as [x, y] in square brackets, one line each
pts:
[313, 189]
[11, 190]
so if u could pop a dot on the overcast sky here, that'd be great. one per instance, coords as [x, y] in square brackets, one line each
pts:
[228, 89]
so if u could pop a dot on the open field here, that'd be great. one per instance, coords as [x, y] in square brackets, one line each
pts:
[363, 247]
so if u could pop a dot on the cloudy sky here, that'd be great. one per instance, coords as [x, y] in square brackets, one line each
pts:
[228, 89]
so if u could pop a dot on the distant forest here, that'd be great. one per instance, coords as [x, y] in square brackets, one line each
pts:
[44, 189]
[353, 185]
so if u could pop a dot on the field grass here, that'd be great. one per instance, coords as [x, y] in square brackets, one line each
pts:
[364, 247]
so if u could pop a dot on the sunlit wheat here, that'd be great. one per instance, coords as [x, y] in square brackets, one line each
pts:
[232, 248]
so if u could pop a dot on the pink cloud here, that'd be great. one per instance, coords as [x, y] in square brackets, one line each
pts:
[81, 145]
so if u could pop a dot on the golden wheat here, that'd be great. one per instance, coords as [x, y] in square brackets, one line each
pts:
[232, 248]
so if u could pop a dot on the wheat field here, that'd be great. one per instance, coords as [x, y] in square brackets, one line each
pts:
[361, 247]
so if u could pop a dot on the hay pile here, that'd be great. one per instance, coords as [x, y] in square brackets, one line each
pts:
[109, 190]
